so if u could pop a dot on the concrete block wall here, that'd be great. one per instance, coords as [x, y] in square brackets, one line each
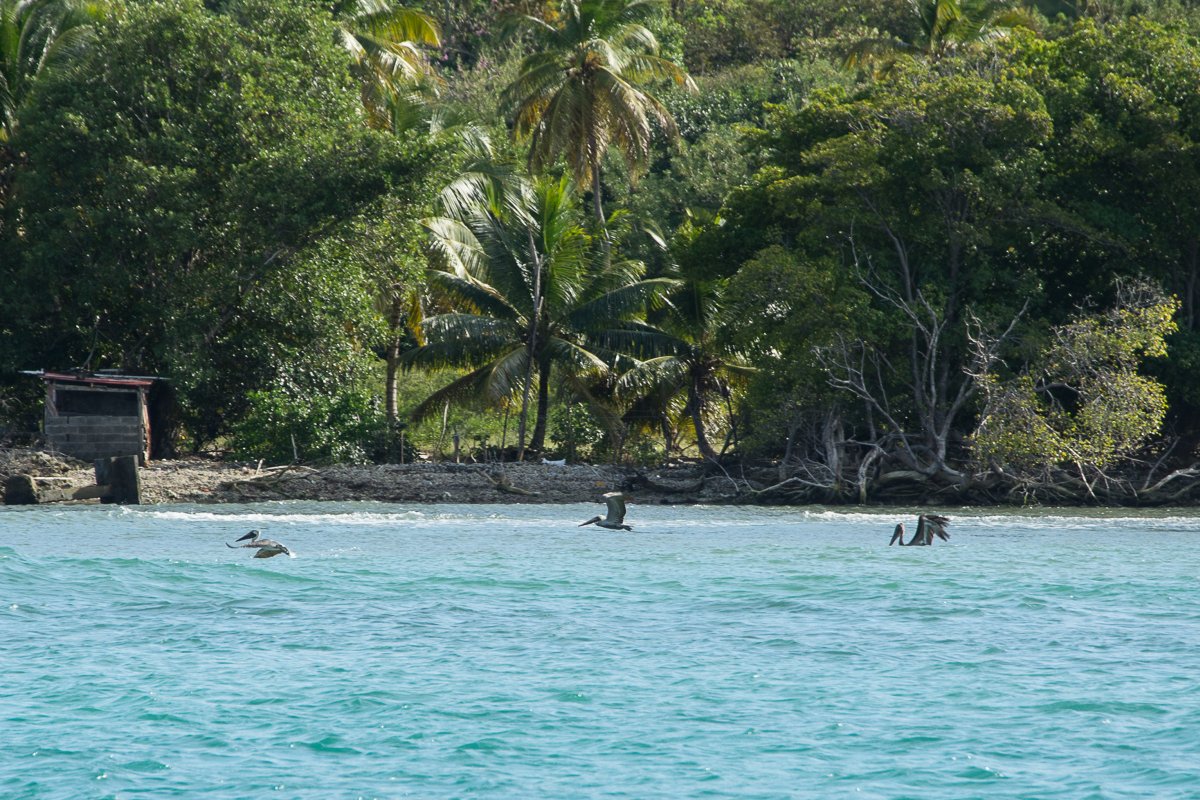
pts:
[92, 437]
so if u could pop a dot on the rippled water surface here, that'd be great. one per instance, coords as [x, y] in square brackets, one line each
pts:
[503, 652]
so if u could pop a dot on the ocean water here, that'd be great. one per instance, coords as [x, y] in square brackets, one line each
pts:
[504, 652]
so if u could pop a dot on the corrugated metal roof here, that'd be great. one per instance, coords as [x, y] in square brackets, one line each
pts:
[94, 379]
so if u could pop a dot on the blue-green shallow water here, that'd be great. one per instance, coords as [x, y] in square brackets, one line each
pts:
[502, 652]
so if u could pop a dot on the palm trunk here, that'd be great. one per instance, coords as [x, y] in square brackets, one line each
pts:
[521, 421]
[538, 441]
[597, 200]
[392, 356]
[696, 404]
[531, 345]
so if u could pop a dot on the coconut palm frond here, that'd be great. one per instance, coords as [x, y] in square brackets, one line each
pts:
[642, 341]
[472, 294]
[453, 327]
[620, 303]
[507, 374]
[1014, 17]
[579, 96]
[665, 373]
[876, 51]
[38, 36]
[384, 41]
[737, 371]
[485, 183]
[646, 413]
[455, 245]
[441, 353]
[578, 360]
[477, 388]
[75, 38]
[642, 67]
[396, 23]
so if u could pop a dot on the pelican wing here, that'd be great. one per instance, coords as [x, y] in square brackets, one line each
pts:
[269, 544]
[937, 525]
[616, 507]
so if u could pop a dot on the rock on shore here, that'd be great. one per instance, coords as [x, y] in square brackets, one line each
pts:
[200, 480]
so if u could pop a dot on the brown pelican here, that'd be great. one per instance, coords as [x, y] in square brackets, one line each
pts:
[616, 513]
[266, 547]
[928, 526]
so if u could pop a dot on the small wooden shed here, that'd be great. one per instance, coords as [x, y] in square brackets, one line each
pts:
[91, 415]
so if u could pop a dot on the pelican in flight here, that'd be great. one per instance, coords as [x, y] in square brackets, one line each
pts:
[616, 513]
[266, 547]
[928, 526]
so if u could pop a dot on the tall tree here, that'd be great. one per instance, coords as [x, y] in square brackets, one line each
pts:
[1124, 179]
[534, 296]
[695, 363]
[197, 208]
[587, 90]
[944, 27]
[385, 41]
[1082, 401]
[918, 185]
[36, 36]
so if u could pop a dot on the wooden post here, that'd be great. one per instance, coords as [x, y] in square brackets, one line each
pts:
[120, 474]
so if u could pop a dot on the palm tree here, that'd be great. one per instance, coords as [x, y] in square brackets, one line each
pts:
[401, 304]
[385, 42]
[945, 27]
[584, 91]
[690, 362]
[532, 299]
[36, 36]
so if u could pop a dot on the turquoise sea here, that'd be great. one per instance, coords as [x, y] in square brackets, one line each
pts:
[503, 652]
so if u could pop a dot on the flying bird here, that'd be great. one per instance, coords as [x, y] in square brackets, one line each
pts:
[928, 526]
[266, 547]
[616, 513]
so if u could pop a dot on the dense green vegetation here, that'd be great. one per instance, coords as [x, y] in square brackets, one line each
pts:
[894, 248]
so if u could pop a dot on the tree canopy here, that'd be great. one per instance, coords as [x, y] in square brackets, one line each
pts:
[192, 204]
[972, 270]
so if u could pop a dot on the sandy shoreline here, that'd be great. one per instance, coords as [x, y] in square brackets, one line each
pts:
[200, 480]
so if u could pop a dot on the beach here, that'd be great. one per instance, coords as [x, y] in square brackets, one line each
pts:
[208, 480]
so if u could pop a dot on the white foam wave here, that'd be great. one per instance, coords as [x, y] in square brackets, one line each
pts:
[350, 518]
[647, 517]
[1021, 519]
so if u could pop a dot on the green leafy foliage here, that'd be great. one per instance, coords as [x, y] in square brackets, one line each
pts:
[191, 188]
[283, 424]
[916, 185]
[778, 310]
[528, 291]
[36, 38]
[202, 202]
[1084, 402]
[578, 433]
[587, 90]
